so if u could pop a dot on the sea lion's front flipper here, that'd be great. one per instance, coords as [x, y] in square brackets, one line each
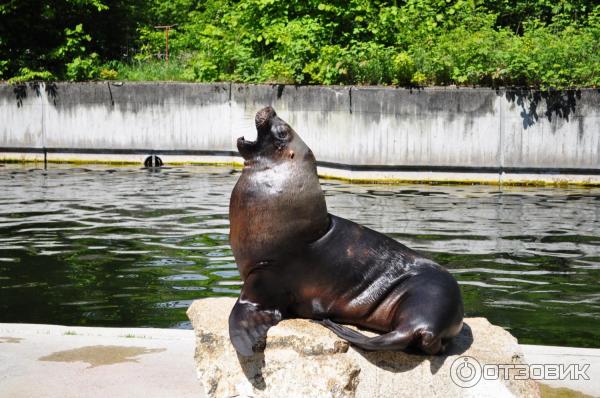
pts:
[392, 341]
[248, 325]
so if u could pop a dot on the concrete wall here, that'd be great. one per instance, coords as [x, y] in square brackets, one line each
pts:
[357, 129]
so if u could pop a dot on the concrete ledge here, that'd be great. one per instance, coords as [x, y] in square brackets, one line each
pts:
[552, 179]
[539, 354]
[133, 159]
[136, 369]
[62, 361]
[355, 176]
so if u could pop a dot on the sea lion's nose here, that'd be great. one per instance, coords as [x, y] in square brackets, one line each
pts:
[263, 117]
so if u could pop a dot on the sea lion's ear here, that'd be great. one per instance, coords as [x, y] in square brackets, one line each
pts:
[248, 326]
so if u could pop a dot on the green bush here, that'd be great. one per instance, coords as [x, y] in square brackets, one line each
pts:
[202, 68]
[534, 43]
[83, 68]
[26, 74]
[330, 66]
[3, 66]
[108, 74]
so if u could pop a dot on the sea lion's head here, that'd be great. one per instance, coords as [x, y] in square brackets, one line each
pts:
[275, 140]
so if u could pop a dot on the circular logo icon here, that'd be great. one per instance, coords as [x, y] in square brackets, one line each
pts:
[465, 372]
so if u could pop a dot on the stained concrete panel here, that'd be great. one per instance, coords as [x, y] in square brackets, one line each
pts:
[468, 128]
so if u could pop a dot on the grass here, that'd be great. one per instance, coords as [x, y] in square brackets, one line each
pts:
[156, 70]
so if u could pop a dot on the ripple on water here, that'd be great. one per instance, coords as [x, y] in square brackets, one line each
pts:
[125, 247]
[184, 277]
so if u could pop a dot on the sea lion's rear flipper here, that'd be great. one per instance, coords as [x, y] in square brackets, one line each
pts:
[248, 326]
[395, 340]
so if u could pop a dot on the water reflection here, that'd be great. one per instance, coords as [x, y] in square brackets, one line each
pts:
[123, 246]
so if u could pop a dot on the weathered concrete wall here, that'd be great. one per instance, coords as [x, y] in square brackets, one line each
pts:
[361, 129]
[101, 115]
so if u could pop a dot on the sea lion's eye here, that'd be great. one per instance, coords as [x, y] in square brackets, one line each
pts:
[280, 132]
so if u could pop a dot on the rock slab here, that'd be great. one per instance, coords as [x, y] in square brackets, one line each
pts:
[304, 359]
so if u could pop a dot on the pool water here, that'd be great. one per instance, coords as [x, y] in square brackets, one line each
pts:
[102, 246]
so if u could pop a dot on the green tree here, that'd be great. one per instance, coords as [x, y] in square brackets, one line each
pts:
[539, 43]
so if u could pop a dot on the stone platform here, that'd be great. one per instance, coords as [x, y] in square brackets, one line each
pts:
[304, 359]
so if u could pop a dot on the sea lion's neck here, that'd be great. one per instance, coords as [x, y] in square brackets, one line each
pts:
[276, 207]
[257, 164]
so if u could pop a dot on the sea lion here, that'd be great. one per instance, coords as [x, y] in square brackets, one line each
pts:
[298, 261]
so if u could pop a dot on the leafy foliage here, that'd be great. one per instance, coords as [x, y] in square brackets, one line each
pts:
[36, 34]
[26, 74]
[538, 43]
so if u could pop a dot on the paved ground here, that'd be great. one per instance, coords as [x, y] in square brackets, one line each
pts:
[540, 354]
[63, 362]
